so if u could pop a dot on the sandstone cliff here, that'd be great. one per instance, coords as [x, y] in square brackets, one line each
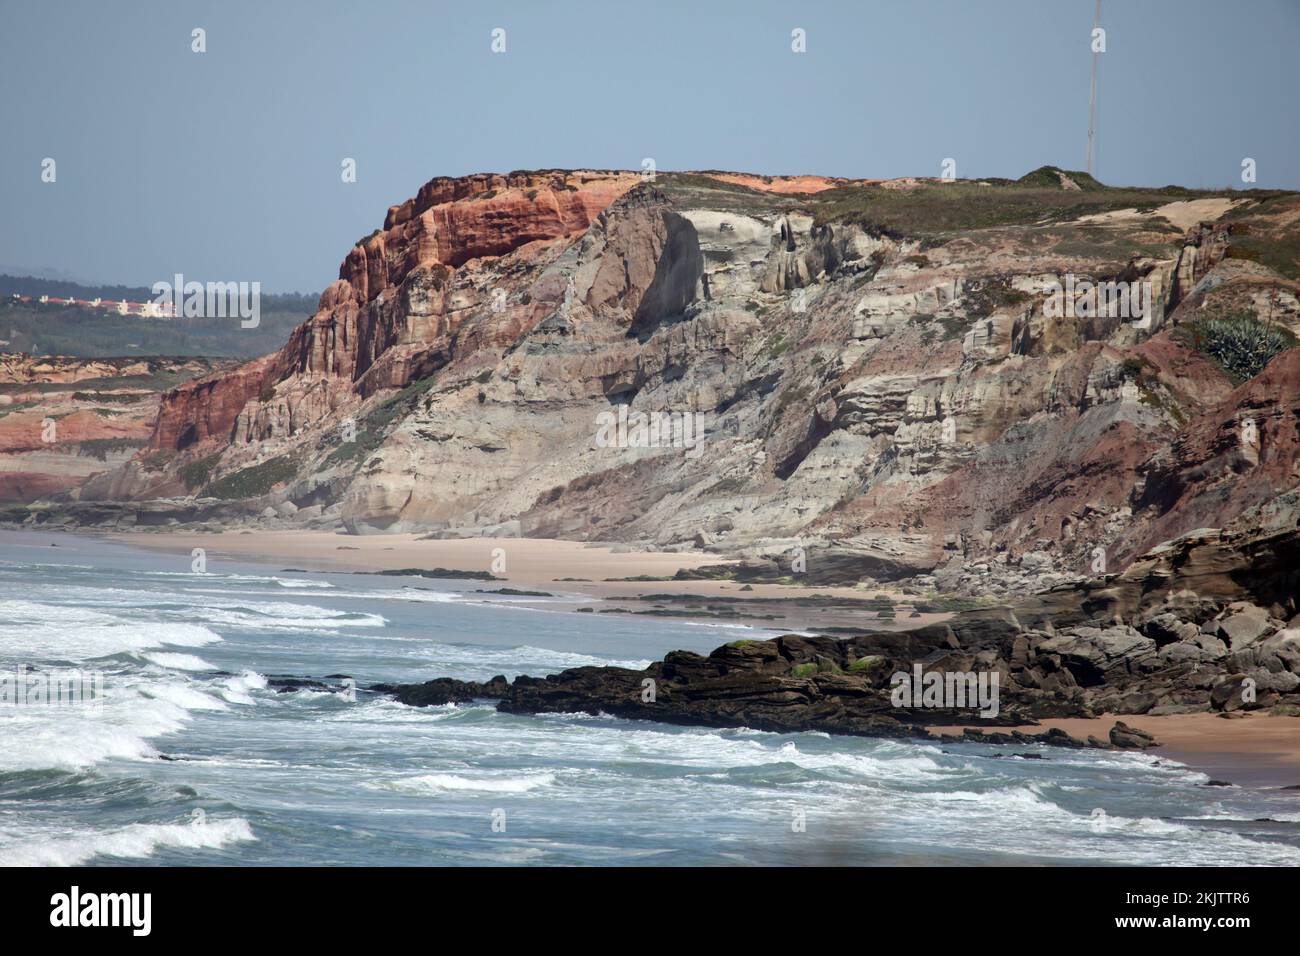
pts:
[65, 420]
[884, 387]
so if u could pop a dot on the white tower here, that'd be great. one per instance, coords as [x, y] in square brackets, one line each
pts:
[1092, 95]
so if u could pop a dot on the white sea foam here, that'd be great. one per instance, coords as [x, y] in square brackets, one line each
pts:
[237, 690]
[31, 631]
[281, 615]
[518, 659]
[398, 594]
[133, 842]
[914, 767]
[180, 662]
[434, 783]
[257, 578]
[120, 726]
[219, 606]
[185, 697]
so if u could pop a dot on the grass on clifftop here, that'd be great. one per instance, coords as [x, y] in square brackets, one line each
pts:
[1267, 231]
[938, 211]
[1049, 177]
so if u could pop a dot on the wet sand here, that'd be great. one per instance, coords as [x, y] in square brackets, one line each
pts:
[1257, 750]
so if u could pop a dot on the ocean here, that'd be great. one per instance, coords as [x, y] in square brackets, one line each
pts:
[187, 757]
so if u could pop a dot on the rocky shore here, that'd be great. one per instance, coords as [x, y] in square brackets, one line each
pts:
[1141, 642]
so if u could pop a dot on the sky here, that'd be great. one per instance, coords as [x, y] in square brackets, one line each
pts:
[226, 165]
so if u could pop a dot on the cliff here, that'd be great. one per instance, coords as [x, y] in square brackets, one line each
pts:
[885, 383]
[65, 420]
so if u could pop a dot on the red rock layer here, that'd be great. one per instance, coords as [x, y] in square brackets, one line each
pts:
[206, 408]
[390, 291]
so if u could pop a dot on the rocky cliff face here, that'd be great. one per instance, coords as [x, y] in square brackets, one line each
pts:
[893, 379]
[65, 420]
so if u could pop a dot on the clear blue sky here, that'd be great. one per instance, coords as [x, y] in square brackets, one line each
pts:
[225, 165]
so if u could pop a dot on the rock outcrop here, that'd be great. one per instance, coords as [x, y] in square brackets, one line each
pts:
[1187, 638]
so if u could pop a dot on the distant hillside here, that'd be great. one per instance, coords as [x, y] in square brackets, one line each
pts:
[61, 289]
[56, 328]
[1050, 177]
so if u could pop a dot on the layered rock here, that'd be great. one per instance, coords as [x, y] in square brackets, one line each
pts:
[881, 399]
[64, 421]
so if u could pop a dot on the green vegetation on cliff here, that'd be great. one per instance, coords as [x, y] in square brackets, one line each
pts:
[255, 481]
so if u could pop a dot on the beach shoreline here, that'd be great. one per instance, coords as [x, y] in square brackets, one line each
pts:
[610, 578]
[1254, 750]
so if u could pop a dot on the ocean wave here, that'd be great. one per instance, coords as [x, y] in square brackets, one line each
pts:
[519, 658]
[133, 842]
[281, 615]
[262, 578]
[219, 607]
[237, 690]
[185, 697]
[912, 767]
[118, 725]
[435, 783]
[179, 662]
[54, 632]
[386, 710]
[412, 595]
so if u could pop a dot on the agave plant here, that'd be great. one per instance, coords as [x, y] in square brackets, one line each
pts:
[1241, 344]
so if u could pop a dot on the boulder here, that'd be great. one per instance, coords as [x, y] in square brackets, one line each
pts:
[1243, 624]
[1131, 738]
[1228, 695]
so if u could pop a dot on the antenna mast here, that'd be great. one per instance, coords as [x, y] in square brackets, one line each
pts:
[1092, 95]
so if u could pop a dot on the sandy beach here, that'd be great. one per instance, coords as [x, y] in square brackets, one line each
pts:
[1255, 750]
[527, 561]
[601, 573]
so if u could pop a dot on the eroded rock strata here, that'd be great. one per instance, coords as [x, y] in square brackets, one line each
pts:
[65, 420]
[886, 387]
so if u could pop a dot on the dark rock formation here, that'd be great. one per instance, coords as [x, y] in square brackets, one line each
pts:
[1155, 647]
[444, 690]
[1130, 738]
